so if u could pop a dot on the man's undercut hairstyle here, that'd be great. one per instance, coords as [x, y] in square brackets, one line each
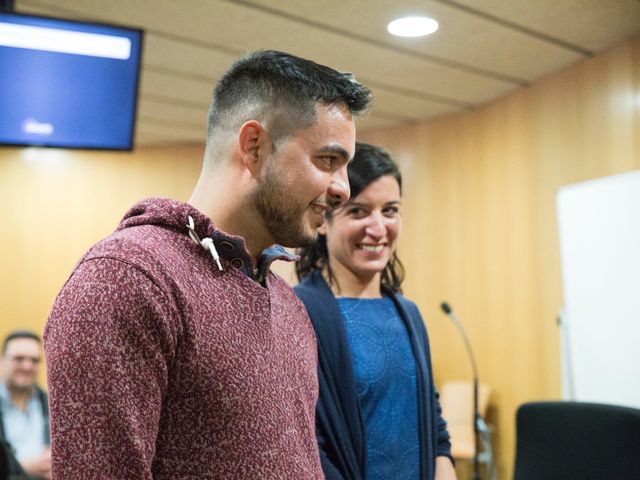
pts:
[20, 334]
[280, 91]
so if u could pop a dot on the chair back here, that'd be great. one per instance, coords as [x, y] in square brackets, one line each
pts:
[577, 440]
[456, 400]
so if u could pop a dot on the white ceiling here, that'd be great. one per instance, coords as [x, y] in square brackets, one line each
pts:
[483, 49]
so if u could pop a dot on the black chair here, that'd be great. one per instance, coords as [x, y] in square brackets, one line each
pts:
[577, 441]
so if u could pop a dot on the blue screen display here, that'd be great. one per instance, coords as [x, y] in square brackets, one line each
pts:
[67, 84]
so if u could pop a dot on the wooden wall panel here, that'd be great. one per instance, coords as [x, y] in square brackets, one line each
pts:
[480, 220]
[57, 203]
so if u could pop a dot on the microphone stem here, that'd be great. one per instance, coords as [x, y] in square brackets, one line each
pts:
[476, 413]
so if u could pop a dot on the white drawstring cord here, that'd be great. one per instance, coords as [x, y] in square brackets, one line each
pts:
[206, 243]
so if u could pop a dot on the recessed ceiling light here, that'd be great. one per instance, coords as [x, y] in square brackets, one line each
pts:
[412, 26]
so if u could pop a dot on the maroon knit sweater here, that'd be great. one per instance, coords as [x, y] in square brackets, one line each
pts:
[162, 366]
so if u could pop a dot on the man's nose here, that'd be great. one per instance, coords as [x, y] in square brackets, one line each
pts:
[339, 190]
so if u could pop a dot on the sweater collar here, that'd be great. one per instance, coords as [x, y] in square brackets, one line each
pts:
[226, 250]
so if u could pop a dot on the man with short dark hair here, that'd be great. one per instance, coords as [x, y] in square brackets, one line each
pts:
[173, 351]
[24, 415]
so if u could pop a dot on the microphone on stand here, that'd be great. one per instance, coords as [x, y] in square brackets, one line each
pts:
[476, 414]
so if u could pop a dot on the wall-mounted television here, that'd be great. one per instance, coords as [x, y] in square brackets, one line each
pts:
[67, 84]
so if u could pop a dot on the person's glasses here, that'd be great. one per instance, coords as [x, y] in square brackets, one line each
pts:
[26, 358]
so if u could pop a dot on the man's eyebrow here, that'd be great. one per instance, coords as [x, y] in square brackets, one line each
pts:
[335, 150]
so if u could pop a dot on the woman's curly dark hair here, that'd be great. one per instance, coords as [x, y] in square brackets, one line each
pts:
[368, 165]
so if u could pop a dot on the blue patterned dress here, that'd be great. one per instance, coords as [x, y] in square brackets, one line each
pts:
[385, 374]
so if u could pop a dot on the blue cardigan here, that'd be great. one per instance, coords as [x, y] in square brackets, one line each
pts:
[339, 424]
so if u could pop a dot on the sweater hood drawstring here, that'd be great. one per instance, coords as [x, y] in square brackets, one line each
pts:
[206, 243]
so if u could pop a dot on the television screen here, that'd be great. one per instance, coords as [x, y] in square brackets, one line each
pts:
[67, 84]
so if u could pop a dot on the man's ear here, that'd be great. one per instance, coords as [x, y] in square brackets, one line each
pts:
[253, 145]
[322, 229]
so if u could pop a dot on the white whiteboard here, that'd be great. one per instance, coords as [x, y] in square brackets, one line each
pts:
[599, 226]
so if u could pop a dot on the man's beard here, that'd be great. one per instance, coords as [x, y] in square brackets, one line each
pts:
[15, 387]
[282, 217]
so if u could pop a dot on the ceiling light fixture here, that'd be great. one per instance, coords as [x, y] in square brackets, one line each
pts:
[412, 26]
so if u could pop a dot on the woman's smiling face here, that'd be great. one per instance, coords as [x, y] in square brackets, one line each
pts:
[362, 234]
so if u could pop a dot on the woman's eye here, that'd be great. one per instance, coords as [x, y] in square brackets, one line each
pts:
[391, 211]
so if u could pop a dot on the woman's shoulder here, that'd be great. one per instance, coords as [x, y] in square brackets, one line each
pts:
[310, 285]
[409, 308]
[313, 291]
[402, 300]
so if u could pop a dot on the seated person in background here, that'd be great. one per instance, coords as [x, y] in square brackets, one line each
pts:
[24, 416]
[378, 415]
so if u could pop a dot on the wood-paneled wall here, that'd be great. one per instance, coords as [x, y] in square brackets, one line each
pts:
[480, 220]
[57, 203]
[479, 216]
